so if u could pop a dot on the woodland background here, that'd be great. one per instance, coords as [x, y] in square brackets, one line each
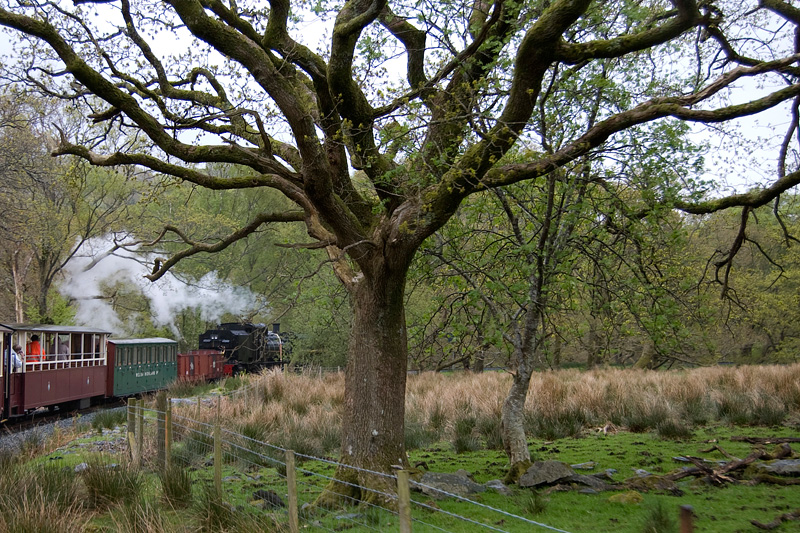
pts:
[651, 294]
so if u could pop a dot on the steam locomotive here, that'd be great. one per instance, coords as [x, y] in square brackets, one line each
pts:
[246, 347]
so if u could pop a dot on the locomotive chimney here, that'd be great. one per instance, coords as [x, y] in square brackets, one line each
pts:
[276, 327]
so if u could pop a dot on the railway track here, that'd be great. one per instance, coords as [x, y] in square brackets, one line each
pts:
[41, 424]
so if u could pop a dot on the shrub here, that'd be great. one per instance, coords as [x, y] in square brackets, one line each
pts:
[107, 484]
[464, 438]
[31, 512]
[417, 435]
[558, 426]
[658, 520]
[437, 419]
[213, 512]
[768, 411]
[31, 444]
[272, 390]
[59, 486]
[186, 389]
[734, 408]
[109, 419]
[234, 383]
[532, 503]
[699, 410]
[176, 485]
[140, 515]
[194, 447]
[643, 417]
[672, 428]
[490, 428]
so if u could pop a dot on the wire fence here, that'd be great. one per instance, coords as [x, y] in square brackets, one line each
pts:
[279, 485]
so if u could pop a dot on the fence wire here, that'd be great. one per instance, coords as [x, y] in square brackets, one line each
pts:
[254, 478]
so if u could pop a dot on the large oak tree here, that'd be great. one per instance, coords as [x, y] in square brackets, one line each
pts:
[245, 83]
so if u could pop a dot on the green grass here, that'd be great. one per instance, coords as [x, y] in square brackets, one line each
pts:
[717, 509]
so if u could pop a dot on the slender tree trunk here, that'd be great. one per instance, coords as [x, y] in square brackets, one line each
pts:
[19, 271]
[41, 299]
[593, 342]
[375, 385]
[557, 351]
[515, 442]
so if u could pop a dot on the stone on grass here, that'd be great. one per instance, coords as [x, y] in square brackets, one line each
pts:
[439, 485]
[545, 473]
[498, 486]
[781, 467]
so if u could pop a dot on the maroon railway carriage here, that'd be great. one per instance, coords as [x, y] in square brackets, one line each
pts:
[69, 369]
[200, 365]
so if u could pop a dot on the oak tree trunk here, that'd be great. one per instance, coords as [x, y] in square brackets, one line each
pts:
[375, 384]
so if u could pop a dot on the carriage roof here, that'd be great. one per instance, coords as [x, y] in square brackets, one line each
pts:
[51, 328]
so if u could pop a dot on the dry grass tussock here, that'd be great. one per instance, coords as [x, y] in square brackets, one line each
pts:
[288, 407]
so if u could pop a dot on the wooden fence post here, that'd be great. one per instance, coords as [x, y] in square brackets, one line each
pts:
[168, 434]
[132, 427]
[161, 428]
[291, 482]
[687, 518]
[404, 501]
[217, 452]
[139, 432]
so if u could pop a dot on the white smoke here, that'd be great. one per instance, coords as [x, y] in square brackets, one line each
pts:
[88, 273]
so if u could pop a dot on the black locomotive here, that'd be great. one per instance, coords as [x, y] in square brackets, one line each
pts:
[247, 347]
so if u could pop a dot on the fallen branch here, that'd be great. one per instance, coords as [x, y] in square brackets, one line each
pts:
[720, 450]
[721, 475]
[766, 440]
[794, 515]
[776, 480]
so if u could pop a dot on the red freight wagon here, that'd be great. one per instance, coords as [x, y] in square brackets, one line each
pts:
[200, 365]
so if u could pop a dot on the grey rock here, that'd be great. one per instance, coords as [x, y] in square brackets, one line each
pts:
[590, 481]
[351, 516]
[498, 486]
[270, 498]
[545, 473]
[81, 467]
[589, 465]
[781, 467]
[605, 475]
[439, 485]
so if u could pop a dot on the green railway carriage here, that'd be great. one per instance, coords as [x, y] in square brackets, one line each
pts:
[140, 365]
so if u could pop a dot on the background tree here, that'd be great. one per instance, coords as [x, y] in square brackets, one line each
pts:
[51, 207]
[301, 119]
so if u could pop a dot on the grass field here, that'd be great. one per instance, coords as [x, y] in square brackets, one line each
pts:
[616, 419]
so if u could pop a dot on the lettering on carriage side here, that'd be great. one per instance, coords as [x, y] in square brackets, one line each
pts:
[146, 374]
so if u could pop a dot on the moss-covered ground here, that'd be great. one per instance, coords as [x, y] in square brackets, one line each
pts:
[725, 509]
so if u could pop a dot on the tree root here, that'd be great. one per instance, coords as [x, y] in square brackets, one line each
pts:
[350, 488]
[516, 471]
